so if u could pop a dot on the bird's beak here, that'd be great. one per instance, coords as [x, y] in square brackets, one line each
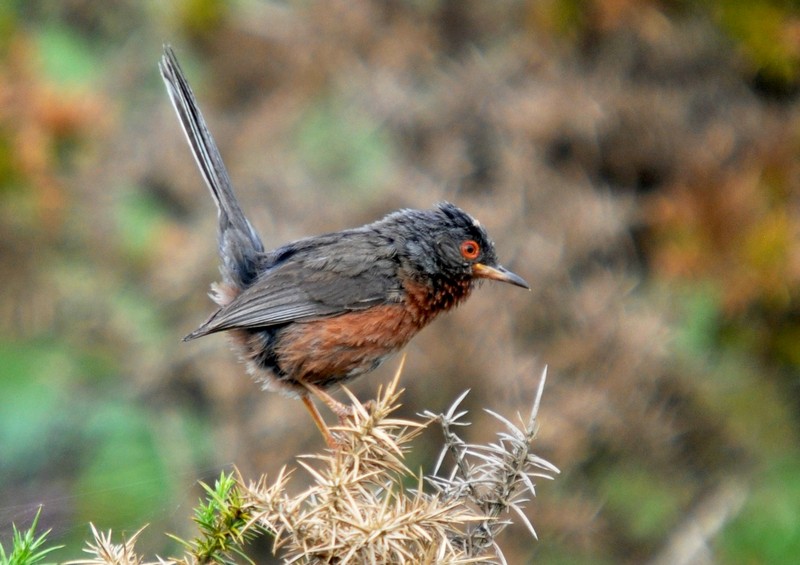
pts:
[481, 271]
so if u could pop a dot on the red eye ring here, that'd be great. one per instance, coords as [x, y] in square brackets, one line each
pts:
[470, 249]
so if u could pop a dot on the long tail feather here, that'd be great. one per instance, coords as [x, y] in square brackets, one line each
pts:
[239, 243]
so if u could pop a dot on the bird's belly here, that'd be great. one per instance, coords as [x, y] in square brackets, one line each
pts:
[333, 350]
[327, 351]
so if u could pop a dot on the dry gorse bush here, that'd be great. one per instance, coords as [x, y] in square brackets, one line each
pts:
[359, 508]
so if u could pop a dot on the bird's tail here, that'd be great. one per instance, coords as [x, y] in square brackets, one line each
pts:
[239, 244]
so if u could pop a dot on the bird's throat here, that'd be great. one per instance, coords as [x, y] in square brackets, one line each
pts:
[427, 300]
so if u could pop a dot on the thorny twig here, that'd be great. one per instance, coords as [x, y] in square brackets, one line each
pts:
[494, 478]
[358, 508]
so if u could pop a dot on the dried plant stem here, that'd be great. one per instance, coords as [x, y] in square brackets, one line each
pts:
[359, 509]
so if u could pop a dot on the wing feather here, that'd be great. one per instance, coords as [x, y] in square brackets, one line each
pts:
[311, 279]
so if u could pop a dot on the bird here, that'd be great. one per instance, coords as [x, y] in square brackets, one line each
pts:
[320, 311]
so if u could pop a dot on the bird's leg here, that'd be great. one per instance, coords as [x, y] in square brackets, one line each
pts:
[342, 411]
[336, 407]
[317, 417]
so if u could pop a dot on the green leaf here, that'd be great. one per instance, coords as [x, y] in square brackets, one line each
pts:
[125, 479]
[346, 148]
[648, 504]
[26, 547]
[139, 219]
[67, 57]
[767, 530]
[35, 375]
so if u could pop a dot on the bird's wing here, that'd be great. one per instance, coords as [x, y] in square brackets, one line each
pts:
[332, 279]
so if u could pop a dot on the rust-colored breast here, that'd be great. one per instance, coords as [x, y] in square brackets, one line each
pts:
[337, 349]
[342, 347]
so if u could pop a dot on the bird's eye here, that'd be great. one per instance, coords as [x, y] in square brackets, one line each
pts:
[470, 249]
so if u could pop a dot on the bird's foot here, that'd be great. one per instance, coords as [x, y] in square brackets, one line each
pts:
[342, 411]
[332, 442]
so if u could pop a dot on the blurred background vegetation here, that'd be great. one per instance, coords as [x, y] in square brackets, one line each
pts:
[635, 160]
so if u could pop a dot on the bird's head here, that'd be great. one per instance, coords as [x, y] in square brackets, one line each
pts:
[448, 243]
